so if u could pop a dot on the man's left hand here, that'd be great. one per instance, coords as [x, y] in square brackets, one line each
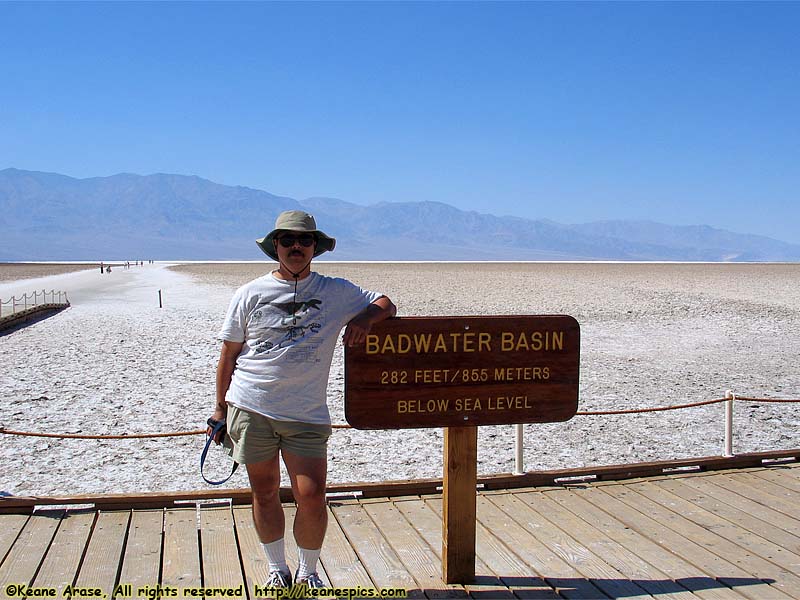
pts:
[358, 328]
[356, 331]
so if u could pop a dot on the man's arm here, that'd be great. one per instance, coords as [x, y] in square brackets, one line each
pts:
[358, 328]
[227, 363]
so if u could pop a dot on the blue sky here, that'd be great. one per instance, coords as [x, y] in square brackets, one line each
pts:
[684, 113]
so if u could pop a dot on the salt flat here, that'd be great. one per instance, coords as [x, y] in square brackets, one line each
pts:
[18, 271]
[652, 335]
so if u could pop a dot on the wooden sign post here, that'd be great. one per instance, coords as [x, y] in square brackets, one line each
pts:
[458, 373]
[459, 518]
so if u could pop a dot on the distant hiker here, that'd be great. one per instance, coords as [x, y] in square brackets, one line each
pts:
[101, 267]
[278, 340]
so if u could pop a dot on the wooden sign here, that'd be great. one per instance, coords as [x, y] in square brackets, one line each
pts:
[463, 371]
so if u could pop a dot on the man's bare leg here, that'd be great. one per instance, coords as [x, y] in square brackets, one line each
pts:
[265, 481]
[308, 476]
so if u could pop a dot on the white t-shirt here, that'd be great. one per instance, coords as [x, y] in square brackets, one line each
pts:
[282, 371]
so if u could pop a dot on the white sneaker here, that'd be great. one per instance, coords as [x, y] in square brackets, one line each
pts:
[312, 581]
[279, 579]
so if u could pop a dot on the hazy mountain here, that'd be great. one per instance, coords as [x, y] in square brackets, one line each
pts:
[46, 216]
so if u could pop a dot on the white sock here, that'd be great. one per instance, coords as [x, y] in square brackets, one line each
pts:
[276, 555]
[308, 562]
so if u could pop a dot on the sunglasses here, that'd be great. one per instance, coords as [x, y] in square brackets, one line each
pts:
[305, 239]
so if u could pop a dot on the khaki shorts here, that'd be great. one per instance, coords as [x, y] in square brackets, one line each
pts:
[253, 438]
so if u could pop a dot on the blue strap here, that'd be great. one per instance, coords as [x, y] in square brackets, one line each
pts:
[217, 426]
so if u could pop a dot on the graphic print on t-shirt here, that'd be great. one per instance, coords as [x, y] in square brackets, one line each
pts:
[293, 309]
[281, 324]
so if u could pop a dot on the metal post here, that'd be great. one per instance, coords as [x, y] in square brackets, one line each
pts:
[730, 398]
[159, 300]
[519, 463]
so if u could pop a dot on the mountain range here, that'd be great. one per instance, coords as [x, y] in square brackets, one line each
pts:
[47, 216]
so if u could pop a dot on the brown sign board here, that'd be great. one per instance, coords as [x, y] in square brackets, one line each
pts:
[463, 371]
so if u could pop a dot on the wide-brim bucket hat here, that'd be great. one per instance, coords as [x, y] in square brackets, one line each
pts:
[296, 221]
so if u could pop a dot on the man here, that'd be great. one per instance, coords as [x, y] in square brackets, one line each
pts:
[278, 341]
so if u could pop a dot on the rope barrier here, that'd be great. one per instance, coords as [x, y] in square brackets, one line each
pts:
[86, 436]
[646, 410]
[776, 400]
[130, 436]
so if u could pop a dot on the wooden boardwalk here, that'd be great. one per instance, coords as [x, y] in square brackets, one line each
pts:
[726, 534]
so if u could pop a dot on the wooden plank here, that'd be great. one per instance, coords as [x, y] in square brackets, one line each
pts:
[543, 565]
[181, 559]
[141, 563]
[127, 501]
[780, 476]
[628, 471]
[772, 494]
[759, 556]
[25, 504]
[66, 551]
[342, 565]
[752, 477]
[103, 557]
[629, 566]
[707, 486]
[610, 523]
[254, 561]
[418, 558]
[780, 541]
[735, 509]
[428, 524]
[458, 519]
[512, 571]
[221, 562]
[10, 528]
[759, 495]
[683, 534]
[781, 530]
[28, 550]
[792, 468]
[376, 554]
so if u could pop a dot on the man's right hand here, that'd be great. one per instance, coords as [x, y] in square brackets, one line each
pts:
[217, 416]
